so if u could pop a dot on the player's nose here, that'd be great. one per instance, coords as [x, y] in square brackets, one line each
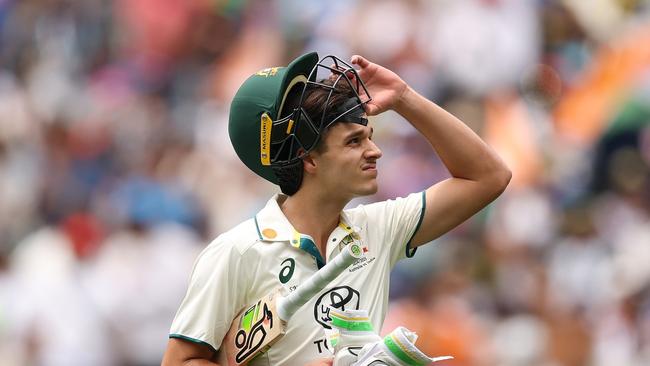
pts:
[373, 151]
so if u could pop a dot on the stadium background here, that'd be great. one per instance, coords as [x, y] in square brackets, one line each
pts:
[116, 169]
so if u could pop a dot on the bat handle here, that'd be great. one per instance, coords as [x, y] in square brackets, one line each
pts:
[289, 304]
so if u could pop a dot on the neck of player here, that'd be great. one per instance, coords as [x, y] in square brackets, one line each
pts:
[314, 212]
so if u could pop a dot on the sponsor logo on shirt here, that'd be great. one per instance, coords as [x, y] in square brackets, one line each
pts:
[340, 297]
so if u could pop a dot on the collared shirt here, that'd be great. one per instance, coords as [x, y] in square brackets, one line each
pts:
[266, 252]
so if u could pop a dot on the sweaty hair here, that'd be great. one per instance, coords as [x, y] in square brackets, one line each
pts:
[290, 176]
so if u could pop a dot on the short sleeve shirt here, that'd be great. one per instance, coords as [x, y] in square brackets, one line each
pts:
[264, 253]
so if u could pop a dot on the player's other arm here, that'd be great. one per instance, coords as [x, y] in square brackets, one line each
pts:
[184, 353]
[478, 174]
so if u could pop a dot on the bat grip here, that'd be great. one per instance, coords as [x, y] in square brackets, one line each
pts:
[289, 304]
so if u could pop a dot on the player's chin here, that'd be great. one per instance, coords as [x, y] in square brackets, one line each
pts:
[369, 188]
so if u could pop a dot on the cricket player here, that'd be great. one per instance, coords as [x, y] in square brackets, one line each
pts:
[311, 137]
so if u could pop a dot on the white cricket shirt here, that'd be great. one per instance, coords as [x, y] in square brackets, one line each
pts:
[265, 252]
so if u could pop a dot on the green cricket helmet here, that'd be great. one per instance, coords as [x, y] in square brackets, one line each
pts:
[267, 134]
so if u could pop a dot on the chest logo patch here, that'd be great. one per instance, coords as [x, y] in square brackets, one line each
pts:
[286, 272]
[341, 297]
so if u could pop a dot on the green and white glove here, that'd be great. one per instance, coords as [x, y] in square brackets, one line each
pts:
[396, 349]
[351, 330]
[355, 343]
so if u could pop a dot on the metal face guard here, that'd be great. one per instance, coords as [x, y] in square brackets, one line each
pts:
[295, 135]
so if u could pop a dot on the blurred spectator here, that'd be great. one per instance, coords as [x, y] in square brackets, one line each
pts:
[57, 321]
[137, 280]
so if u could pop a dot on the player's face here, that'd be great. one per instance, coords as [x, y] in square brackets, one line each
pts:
[348, 164]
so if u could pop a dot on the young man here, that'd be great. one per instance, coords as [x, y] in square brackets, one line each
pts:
[312, 138]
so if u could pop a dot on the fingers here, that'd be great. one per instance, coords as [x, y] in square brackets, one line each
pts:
[333, 76]
[322, 362]
[360, 61]
[338, 67]
[355, 60]
[366, 70]
[371, 109]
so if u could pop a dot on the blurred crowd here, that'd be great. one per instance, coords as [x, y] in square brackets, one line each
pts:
[116, 169]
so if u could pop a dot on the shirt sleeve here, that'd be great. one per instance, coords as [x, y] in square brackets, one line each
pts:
[214, 295]
[395, 222]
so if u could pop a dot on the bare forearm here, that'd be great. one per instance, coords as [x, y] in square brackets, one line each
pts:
[200, 363]
[183, 353]
[167, 361]
[464, 153]
[319, 362]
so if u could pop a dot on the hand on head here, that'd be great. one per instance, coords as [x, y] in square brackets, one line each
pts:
[385, 87]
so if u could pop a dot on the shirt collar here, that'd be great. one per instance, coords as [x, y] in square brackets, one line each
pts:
[342, 235]
[272, 225]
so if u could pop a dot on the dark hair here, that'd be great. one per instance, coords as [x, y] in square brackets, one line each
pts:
[320, 111]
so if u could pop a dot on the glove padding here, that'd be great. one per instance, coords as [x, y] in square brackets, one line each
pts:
[351, 330]
[356, 344]
[396, 349]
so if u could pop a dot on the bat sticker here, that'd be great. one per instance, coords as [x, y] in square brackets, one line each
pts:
[250, 337]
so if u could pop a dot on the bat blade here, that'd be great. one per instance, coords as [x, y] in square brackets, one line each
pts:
[254, 330]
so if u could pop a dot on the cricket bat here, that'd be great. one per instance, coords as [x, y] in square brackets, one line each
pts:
[258, 326]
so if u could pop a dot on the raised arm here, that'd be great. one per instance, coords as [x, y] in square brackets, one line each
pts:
[478, 174]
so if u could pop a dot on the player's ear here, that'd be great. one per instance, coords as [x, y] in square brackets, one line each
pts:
[309, 163]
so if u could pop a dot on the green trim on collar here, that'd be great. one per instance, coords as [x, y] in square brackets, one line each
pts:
[193, 340]
[410, 252]
[257, 226]
[309, 246]
[306, 243]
